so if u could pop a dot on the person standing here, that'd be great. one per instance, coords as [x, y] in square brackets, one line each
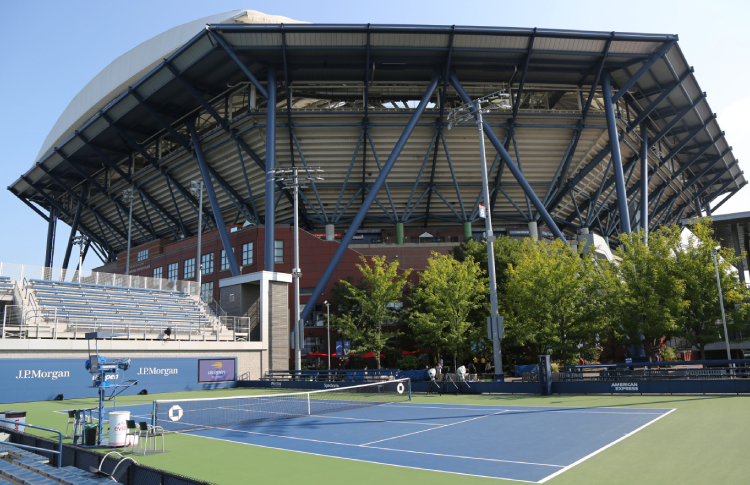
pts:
[439, 370]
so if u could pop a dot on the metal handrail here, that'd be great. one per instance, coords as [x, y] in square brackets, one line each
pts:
[59, 460]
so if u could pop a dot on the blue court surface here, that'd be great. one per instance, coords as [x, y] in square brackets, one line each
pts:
[530, 444]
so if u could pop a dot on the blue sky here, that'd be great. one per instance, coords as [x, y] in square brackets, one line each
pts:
[52, 49]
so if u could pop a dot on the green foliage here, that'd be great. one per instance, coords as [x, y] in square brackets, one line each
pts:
[449, 291]
[371, 305]
[553, 298]
[408, 362]
[645, 292]
[700, 318]
[669, 354]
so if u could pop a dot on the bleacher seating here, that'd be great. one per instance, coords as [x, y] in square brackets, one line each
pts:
[6, 288]
[78, 308]
[24, 467]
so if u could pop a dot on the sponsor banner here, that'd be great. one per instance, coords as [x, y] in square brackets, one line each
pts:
[339, 348]
[216, 370]
[23, 380]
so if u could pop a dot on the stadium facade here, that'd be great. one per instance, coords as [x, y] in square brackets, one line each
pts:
[606, 132]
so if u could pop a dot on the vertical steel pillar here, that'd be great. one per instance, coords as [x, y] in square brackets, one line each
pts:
[614, 143]
[707, 206]
[51, 229]
[347, 239]
[268, 252]
[644, 182]
[698, 208]
[738, 251]
[214, 202]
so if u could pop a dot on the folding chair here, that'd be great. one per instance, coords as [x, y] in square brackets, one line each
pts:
[132, 434]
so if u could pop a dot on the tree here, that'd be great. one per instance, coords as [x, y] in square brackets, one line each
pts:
[645, 292]
[553, 298]
[700, 321]
[372, 305]
[448, 292]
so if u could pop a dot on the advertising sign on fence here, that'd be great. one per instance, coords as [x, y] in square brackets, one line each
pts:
[23, 380]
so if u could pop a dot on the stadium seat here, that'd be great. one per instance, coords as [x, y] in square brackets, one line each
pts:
[144, 313]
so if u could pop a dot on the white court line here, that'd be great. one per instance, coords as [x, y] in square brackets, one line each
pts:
[436, 427]
[604, 448]
[368, 461]
[556, 410]
[373, 420]
[381, 448]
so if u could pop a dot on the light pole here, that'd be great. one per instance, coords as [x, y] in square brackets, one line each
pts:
[80, 241]
[721, 304]
[127, 196]
[196, 188]
[328, 341]
[497, 101]
[283, 175]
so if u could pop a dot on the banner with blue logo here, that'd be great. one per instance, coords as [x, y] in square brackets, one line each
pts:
[23, 380]
[339, 348]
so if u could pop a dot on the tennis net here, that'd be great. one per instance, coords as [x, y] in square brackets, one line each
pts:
[196, 414]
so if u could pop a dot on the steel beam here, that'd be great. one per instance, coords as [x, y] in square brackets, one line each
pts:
[229, 50]
[268, 252]
[216, 209]
[347, 239]
[644, 180]
[645, 67]
[614, 143]
[510, 164]
[51, 231]
[73, 230]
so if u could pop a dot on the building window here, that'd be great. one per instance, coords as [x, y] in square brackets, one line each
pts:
[172, 271]
[207, 291]
[207, 261]
[314, 344]
[142, 255]
[188, 269]
[247, 254]
[157, 272]
[224, 260]
[278, 251]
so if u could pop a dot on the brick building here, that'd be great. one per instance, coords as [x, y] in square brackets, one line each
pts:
[177, 260]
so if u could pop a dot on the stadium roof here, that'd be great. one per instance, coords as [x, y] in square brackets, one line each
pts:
[127, 127]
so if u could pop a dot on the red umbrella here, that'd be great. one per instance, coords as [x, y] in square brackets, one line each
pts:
[370, 355]
[408, 352]
[317, 354]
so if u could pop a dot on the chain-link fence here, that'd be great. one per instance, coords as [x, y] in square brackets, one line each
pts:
[129, 473]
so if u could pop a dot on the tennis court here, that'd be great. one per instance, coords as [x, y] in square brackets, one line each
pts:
[531, 444]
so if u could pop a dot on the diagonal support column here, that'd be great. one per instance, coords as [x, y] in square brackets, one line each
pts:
[268, 256]
[541, 210]
[74, 229]
[347, 239]
[51, 230]
[614, 142]
[212, 198]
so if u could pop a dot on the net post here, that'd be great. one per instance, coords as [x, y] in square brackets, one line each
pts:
[408, 380]
[153, 414]
[308, 404]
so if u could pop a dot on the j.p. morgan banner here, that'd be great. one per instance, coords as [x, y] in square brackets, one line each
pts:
[23, 380]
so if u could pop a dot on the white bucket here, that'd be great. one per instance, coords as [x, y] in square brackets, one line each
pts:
[118, 427]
